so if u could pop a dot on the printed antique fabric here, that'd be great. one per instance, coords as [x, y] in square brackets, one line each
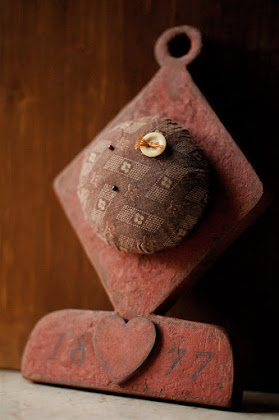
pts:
[140, 204]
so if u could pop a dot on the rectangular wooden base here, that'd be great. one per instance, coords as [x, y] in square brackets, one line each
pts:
[190, 362]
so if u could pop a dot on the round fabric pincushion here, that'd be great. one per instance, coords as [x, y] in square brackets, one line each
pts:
[144, 185]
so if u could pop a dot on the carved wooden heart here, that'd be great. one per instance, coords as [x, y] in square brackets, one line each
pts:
[120, 347]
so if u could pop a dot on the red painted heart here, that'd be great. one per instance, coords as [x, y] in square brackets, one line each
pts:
[120, 347]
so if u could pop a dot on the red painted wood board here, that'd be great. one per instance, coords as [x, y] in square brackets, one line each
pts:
[190, 362]
[138, 285]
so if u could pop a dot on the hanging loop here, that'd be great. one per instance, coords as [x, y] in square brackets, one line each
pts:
[179, 44]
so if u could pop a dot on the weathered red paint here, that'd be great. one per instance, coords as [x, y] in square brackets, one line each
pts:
[141, 284]
[190, 361]
[121, 348]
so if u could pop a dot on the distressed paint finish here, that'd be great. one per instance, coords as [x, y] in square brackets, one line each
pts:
[190, 361]
[121, 348]
[141, 284]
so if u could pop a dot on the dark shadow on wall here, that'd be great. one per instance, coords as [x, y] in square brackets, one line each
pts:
[241, 291]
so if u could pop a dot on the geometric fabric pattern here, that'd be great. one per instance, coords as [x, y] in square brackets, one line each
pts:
[157, 200]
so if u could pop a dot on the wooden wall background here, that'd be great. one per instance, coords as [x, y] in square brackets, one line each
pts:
[66, 68]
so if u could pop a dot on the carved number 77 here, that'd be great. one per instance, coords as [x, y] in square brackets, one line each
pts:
[208, 355]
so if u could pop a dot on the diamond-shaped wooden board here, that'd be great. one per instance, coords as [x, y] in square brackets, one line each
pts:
[143, 284]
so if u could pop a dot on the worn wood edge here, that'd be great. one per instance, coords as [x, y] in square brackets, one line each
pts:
[210, 259]
[207, 260]
[232, 403]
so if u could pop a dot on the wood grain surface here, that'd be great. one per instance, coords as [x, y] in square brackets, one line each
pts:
[66, 68]
[190, 361]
